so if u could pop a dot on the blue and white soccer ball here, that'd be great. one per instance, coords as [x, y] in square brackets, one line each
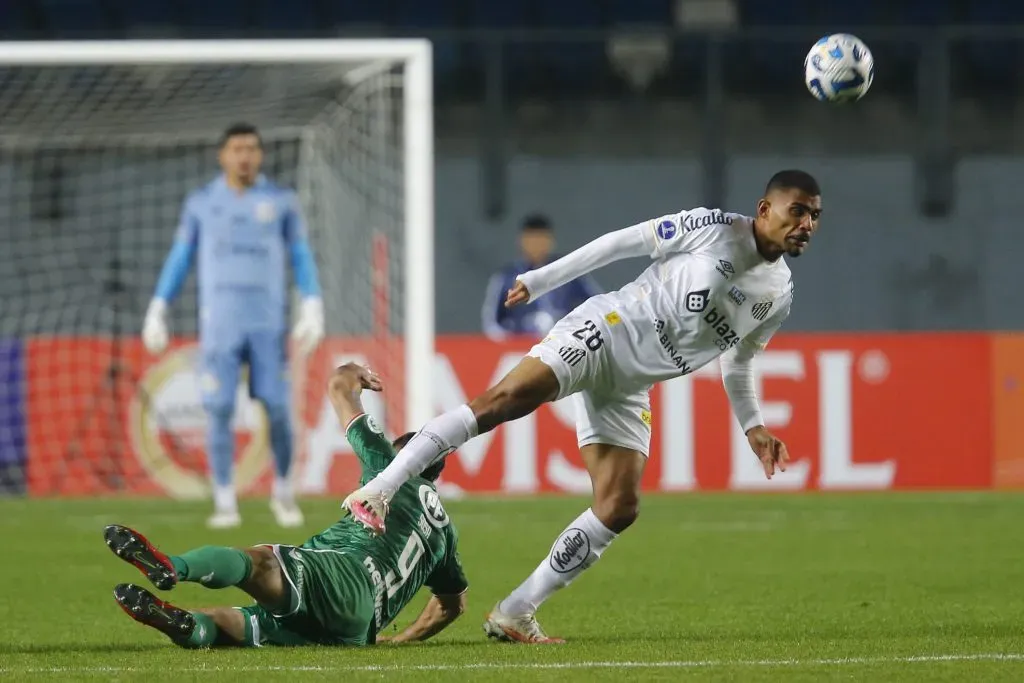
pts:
[839, 68]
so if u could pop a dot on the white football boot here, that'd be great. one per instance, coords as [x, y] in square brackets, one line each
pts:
[521, 628]
[369, 508]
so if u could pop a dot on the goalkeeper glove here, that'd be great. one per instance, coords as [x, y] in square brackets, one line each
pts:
[309, 329]
[154, 329]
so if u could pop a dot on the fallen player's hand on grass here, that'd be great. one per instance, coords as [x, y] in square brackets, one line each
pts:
[519, 294]
[769, 450]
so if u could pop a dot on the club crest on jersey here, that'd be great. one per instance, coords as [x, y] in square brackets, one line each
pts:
[697, 301]
[666, 230]
[266, 212]
[437, 516]
[725, 269]
[737, 296]
[760, 310]
[372, 425]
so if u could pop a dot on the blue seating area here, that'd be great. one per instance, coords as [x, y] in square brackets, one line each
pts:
[294, 17]
[546, 68]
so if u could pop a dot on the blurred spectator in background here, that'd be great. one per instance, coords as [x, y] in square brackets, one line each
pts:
[536, 242]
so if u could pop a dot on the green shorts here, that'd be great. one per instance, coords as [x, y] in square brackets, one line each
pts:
[331, 602]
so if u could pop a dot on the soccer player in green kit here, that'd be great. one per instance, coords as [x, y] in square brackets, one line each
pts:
[341, 587]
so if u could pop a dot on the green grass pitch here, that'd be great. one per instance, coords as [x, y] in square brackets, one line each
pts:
[813, 587]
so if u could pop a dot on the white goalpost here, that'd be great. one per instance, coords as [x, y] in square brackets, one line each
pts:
[101, 141]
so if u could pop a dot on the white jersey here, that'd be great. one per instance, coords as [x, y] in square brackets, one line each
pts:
[708, 291]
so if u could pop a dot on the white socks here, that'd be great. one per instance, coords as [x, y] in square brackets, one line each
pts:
[282, 490]
[579, 546]
[439, 437]
[224, 499]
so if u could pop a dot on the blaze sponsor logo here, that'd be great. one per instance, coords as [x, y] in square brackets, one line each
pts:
[727, 337]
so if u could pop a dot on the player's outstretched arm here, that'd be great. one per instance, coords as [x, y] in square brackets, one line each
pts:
[439, 612]
[344, 388]
[613, 246]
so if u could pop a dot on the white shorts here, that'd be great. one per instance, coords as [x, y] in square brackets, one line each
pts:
[578, 349]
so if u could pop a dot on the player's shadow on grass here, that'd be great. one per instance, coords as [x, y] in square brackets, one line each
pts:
[55, 648]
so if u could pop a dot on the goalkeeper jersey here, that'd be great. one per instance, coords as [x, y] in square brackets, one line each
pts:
[419, 547]
[243, 241]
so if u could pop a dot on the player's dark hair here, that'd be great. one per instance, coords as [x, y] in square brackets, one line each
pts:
[536, 221]
[432, 472]
[794, 180]
[240, 128]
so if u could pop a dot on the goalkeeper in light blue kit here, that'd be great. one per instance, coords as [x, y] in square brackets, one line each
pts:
[244, 229]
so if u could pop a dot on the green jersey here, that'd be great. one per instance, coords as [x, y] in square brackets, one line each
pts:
[347, 584]
[419, 547]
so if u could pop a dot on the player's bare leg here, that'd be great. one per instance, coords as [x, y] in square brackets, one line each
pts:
[525, 388]
[254, 570]
[615, 473]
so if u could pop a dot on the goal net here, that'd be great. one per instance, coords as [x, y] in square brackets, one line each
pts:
[99, 145]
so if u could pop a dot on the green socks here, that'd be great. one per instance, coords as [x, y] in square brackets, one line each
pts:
[214, 567]
[204, 634]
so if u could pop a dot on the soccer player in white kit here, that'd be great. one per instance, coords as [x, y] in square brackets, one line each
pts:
[719, 287]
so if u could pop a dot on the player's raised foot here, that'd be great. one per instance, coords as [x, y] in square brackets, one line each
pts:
[369, 508]
[135, 549]
[146, 608]
[520, 628]
[224, 519]
[286, 512]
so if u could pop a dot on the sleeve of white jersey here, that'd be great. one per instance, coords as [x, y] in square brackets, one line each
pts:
[683, 231]
[738, 371]
[613, 246]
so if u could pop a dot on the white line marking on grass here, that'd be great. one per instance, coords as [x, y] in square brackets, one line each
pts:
[506, 666]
